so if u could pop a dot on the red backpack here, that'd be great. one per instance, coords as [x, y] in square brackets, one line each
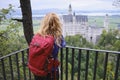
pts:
[40, 50]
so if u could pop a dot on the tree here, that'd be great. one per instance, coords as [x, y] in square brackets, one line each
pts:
[27, 19]
[108, 40]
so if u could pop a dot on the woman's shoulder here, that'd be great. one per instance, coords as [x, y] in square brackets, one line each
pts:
[63, 42]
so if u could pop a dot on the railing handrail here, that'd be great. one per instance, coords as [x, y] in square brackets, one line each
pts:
[12, 53]
[114, 52]
[108, 51]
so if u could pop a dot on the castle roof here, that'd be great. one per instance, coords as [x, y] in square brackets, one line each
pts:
[78, 18]
[68, 18]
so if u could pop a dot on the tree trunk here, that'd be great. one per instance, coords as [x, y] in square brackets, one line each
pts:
[27, 19]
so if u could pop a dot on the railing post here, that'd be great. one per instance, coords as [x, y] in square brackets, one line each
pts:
[11, 69]
[79, 63]
[72, 74]
[117, 67]
[3, 69]
[105, 66]
[87, 63]
[17, 65]
[28, 59]
[95, 65]
[61, 59]
[67, 63]
[23, 62]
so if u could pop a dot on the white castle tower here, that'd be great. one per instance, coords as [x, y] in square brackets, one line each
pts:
[70, 9]
[106, 22]
[74, 19]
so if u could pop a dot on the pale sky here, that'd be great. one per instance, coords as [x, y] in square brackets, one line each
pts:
[63, 4]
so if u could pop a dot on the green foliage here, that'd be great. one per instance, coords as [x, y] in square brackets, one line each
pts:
[11, 40]
[78, 41]
[10, 37]
[5, 12]
[109, 40]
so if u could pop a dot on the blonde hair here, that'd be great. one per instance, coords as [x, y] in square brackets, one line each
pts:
[51, 25]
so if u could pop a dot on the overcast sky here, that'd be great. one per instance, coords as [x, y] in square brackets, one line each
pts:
[63, 4]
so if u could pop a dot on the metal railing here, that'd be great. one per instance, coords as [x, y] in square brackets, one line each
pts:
[14, 66]
[76, 64]
[89, 64]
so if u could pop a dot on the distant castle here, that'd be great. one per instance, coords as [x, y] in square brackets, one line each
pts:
[78, 24]
[73, 24]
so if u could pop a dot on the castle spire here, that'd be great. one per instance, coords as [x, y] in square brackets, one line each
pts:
[70, 9]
